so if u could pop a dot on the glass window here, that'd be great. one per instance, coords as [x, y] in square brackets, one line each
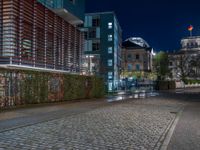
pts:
[130, 67]
[95, 46]
[110, 86]
[110, 50]
[110, 75]
[96, 21]
[110, 63]
[92, 33]
[110, 25]
[110, 37]
[137, 67]
[137, 56]
[129, 57]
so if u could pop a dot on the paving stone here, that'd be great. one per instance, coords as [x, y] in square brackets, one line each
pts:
[129, 125]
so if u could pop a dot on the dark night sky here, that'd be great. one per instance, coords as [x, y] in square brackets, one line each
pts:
[162, 23]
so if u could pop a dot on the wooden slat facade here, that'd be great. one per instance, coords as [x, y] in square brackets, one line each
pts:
[32, 35]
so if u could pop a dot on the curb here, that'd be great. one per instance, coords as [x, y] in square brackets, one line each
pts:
[170, 131]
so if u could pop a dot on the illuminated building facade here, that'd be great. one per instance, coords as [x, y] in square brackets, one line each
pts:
[102, 47]
[36, 36]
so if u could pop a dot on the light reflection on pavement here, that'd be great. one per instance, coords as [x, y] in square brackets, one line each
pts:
[132, 95]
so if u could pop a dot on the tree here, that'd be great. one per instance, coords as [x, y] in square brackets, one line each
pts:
[161, 63]
[188, 66]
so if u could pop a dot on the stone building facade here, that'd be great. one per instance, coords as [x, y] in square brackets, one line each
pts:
[186, 61]
[136, 55]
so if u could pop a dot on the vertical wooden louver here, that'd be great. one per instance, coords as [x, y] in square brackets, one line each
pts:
[32, 35]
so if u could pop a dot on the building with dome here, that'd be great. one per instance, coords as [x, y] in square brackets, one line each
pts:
[191, 44]
[136, 55]
[186, 61]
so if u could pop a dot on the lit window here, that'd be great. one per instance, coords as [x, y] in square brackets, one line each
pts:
[110, 62]
[110, 25]
[110, 50]
[110, 86]
[110, 37]
[110, 75]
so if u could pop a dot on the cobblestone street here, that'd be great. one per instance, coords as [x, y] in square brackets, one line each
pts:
[132, 124]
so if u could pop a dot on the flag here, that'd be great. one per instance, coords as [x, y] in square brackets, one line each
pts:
[190, 28]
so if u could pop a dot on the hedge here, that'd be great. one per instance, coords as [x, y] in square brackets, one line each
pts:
[165, 85]
[191, 81]
[19, 87]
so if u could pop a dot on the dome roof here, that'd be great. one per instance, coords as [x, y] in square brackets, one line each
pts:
[136, 42]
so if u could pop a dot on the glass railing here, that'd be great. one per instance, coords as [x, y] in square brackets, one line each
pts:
[52, 3]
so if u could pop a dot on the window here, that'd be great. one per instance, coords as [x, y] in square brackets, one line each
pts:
[188, 45]
[110, 50]
[92, 33]
[86, 35]
[110, 63]
[110, 75]
[137, 67]
[96, 21]
[95, 46]
[196, 45]
[110, 37]
[130, 67]
[110, 86]
[137, 56]
[129, 57]
[170, 63]
[110, 25]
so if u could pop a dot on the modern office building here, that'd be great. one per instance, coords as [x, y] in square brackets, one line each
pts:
[137, 55]
[41, 34]
[103, 47]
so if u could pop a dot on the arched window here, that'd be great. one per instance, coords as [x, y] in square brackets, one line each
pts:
[188, 45]
[196, 45]
[192, 45]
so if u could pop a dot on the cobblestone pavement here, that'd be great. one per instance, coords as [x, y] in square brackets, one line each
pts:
[133, 124]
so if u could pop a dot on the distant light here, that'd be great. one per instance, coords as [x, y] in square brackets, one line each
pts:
[153, 53]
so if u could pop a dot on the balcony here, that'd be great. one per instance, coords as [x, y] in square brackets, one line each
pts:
[67, 16]
[70, 12]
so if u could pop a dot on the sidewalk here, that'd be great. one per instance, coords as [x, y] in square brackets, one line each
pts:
[187, 132]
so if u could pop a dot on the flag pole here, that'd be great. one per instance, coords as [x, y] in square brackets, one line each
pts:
[190, 29]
